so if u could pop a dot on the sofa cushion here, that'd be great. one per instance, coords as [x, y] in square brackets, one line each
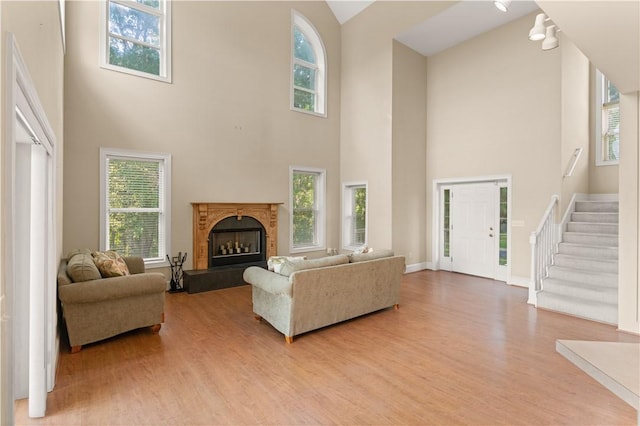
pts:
[289, 267]
[371, 255]
[110, 264]
[80, 267]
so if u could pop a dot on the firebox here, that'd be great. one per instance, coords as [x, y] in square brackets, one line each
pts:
[234, 241]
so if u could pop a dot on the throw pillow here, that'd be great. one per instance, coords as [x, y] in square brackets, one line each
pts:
[290, 267]
[274, 263]
[110, 264]
[371, 255]
[80, 266]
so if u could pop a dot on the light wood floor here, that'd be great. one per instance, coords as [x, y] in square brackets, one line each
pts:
[461, 350]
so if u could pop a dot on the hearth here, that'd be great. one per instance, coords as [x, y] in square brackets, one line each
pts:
[227, 238]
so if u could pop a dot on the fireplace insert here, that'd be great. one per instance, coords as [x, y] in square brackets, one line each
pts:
[236, 241]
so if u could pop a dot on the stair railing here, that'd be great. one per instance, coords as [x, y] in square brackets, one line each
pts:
[543, 244]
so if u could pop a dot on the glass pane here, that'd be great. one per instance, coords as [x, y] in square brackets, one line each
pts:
[446, 223]
[134, 184]
[134, 234]
[302, 48]
[134, 56]
[359, 215]
[132, 23]
[502, 258]
[304, 186]
[304, 227]
[304, 77]
[151, 3]
[304, 100]
[612, 93]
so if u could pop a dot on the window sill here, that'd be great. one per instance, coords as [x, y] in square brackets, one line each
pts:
[607, 163]
[307, 249]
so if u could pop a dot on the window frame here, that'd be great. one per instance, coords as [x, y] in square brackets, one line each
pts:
[310, 32]
[320, 209]
[601, 82]
[164, 226]
[164, 14]
[348, 214]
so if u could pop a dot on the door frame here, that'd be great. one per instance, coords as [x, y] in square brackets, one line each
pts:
[21, 95]
[502, 274]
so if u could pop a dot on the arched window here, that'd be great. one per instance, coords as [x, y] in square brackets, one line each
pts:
[308, 76]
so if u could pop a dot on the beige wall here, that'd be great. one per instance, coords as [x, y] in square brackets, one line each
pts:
[408, 150]
[36, 27]
[602, 179]
[629, 234]
[494, 108]
[366, 135]
[574, 120]
[225, 119]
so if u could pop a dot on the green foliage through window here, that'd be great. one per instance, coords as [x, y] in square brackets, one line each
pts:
[135, 35]
[134, 191]
[305, 209]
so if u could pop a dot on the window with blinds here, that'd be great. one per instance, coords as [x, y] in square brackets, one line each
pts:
[135, 204]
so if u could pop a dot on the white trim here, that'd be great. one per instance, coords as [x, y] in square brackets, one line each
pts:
[320, 110]
[416, 267]
[597, 119]
[519, 281]
[161, 262]
[437, 184]
[165, 39]
[344, 238]
[21, 95]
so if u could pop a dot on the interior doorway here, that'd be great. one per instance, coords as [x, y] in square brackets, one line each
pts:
[472, 226]
[29, 339]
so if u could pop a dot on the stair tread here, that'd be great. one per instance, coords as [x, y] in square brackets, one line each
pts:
[591, 259]
[581, 285]
[567, 269]
[572, 244]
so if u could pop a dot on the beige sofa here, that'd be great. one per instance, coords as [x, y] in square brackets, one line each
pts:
[96, 309]
[311, 294]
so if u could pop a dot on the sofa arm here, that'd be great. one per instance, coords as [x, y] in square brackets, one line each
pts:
[112, 288]
[266, 280]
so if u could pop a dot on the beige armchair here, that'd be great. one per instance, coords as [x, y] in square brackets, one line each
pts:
[97, 309]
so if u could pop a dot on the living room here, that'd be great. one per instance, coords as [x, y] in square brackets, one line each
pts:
[494, 105]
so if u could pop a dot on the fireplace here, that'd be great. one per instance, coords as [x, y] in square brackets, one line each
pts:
[235, 241]
[227, 238]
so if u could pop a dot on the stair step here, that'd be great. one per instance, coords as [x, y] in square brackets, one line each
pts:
[596, 206]
[605, 240]
[593, 228]
[580, 290]
[592, 252]
[605, 279]
[588, 309]
[597, 217]
[586, 264]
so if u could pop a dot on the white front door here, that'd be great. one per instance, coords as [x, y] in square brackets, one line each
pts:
[474, 229]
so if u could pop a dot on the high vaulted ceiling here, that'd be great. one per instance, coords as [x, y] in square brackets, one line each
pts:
[462, 21]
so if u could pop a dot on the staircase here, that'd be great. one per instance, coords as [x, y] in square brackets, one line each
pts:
[583, 280]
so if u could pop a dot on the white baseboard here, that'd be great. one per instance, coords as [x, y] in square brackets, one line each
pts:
[519, 281]
[416, 267]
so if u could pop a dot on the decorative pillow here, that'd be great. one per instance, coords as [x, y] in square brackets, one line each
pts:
[363, 249]
[290, 267]
[80, 266]
[274, 263]
[110, 264]
[370, 255]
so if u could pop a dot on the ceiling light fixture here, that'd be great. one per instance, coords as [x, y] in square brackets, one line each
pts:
[550, 39]
[538, 31]
[502, 5]
[546, 33]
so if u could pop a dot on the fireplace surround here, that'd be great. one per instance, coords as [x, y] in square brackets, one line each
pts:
[217, 229]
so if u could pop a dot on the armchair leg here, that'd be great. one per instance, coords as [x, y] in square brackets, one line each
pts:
[76, 349]
[156, 328]
[258, 318]
[288, 339]
[396, 306]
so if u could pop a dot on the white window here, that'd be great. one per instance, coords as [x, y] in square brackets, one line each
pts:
[607, 121]
[354, 221]
[135, 37]
[135, 200]
[308, 76]
[307, 201]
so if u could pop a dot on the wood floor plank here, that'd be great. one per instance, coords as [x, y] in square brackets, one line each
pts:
[460, 350]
